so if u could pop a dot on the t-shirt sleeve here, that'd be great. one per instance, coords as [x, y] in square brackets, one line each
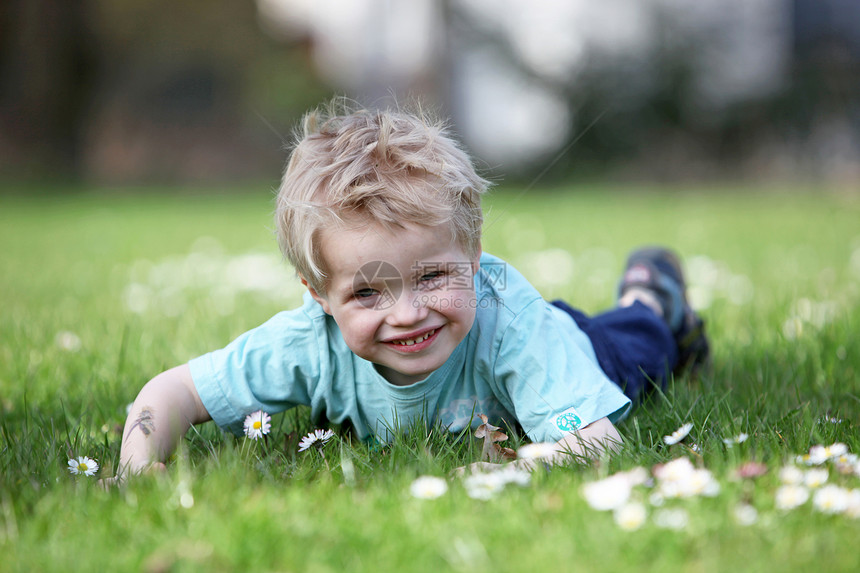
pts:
[551, 382]
[272, 368]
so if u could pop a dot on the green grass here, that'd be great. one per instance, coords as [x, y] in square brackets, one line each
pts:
[780, 273]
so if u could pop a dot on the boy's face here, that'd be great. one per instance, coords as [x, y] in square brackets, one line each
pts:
[403, 299]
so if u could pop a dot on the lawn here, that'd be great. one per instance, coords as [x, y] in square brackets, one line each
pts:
[99, 291]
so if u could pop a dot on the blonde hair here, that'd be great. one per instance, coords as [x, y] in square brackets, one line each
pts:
[389, 167]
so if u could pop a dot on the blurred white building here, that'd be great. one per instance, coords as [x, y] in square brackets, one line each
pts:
[509, 72]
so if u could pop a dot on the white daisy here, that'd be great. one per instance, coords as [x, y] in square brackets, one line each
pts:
[846, 462]
[678, 434]
[630, 516]
[318, 437]
[183, 491]
[68, 341]
[739, 439]
[688, 483]
[831, 499]
[669, 489]
[675, 519]
[483, 486]
[836, 450]
[815, 477]
[791, 475]
[606, 494]
[635, 476]
[537, 451]
[820, 454]
[852, 506]
[656, 498]
[428, 487]
[791, 496]
[83, 466]
[676, 470]
[702, 482]
[257, 424]
[511, 474]
[745, 514]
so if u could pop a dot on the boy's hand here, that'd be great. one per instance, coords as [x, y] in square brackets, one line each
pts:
[487, 467]
[589, 442]
[476, 468]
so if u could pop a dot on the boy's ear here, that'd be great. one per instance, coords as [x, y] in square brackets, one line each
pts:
[476, 262]
[322, 300]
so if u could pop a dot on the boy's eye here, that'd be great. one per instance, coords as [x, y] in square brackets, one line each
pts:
[365, 293]
[431, 280]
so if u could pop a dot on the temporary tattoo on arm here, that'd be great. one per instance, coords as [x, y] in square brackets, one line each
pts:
[145, 421]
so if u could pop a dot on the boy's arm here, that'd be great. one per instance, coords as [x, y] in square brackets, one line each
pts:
[587, 443]
[161, 414]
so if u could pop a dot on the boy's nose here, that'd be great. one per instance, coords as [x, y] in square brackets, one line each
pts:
[407, 310]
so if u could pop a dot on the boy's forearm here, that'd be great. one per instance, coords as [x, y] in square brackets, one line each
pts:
[588, 443]
[591, 441]
[161, 414]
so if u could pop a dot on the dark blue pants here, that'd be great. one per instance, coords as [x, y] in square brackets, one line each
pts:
[634, 347]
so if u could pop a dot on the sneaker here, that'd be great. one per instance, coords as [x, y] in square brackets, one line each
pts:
[658, 271]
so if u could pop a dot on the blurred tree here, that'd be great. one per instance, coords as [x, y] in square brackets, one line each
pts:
[47, 65]
[142, 90]
[146, 90]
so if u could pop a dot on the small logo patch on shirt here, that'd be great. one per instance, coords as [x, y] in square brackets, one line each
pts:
[568, 421]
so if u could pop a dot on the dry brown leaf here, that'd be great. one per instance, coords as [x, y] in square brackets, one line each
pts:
[491, 451]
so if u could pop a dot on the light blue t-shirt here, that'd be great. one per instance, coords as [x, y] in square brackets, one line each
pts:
[524, 360]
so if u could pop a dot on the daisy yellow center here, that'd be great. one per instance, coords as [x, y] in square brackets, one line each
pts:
[258, 424]
[82, 467]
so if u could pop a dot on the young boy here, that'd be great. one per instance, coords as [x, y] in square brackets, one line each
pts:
[405, 317]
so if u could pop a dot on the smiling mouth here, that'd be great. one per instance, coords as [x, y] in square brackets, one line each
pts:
[415, 344]
[416, 340]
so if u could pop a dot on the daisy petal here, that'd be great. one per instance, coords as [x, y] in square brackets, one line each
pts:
[678, 435]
